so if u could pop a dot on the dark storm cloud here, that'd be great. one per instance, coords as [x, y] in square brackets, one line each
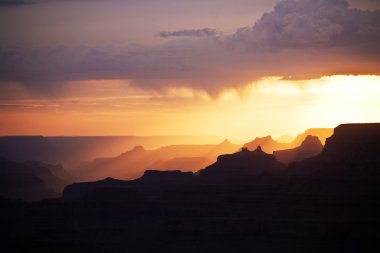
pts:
[205, 32]
[298, 39]
[46, 69]
[14, 2]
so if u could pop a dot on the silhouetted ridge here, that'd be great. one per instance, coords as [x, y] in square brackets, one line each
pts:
[241, 164]
[310, 147]
[151, 184]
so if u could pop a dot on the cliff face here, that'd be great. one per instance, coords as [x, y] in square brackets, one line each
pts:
[354, 142]
[352, 153]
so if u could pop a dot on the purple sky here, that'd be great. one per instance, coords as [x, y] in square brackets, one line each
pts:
[202, 44]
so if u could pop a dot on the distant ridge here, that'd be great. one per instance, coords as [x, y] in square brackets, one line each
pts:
[133, 163]
[267, 144]
[72, 150]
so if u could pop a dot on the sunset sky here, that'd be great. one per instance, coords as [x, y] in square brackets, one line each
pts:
[232, 68]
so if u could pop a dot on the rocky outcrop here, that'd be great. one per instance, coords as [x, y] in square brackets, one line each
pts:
[310, 147]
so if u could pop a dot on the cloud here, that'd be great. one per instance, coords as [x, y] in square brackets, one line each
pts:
[15, 2]
[298, 39]
[205, 32]
[310, 23]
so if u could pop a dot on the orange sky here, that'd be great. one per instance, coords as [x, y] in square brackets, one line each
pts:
[270, 106]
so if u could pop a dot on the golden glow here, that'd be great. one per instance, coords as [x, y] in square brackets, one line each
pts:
[269, 106]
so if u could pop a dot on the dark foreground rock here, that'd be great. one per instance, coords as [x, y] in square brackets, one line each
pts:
[328, 203]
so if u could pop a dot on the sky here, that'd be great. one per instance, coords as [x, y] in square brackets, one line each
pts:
[233, 68]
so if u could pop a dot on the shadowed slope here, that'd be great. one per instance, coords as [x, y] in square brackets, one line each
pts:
[31, 180]
[310, 147]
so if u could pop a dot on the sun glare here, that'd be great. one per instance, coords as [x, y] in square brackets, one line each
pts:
[279, 106]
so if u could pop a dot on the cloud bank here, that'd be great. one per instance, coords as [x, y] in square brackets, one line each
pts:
[297, 39]
[205, 32]
[311, 23]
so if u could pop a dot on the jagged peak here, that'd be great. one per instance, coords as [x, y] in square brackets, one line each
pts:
[246, 151]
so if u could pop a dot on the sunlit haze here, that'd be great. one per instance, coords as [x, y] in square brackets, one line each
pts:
[269, 106]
